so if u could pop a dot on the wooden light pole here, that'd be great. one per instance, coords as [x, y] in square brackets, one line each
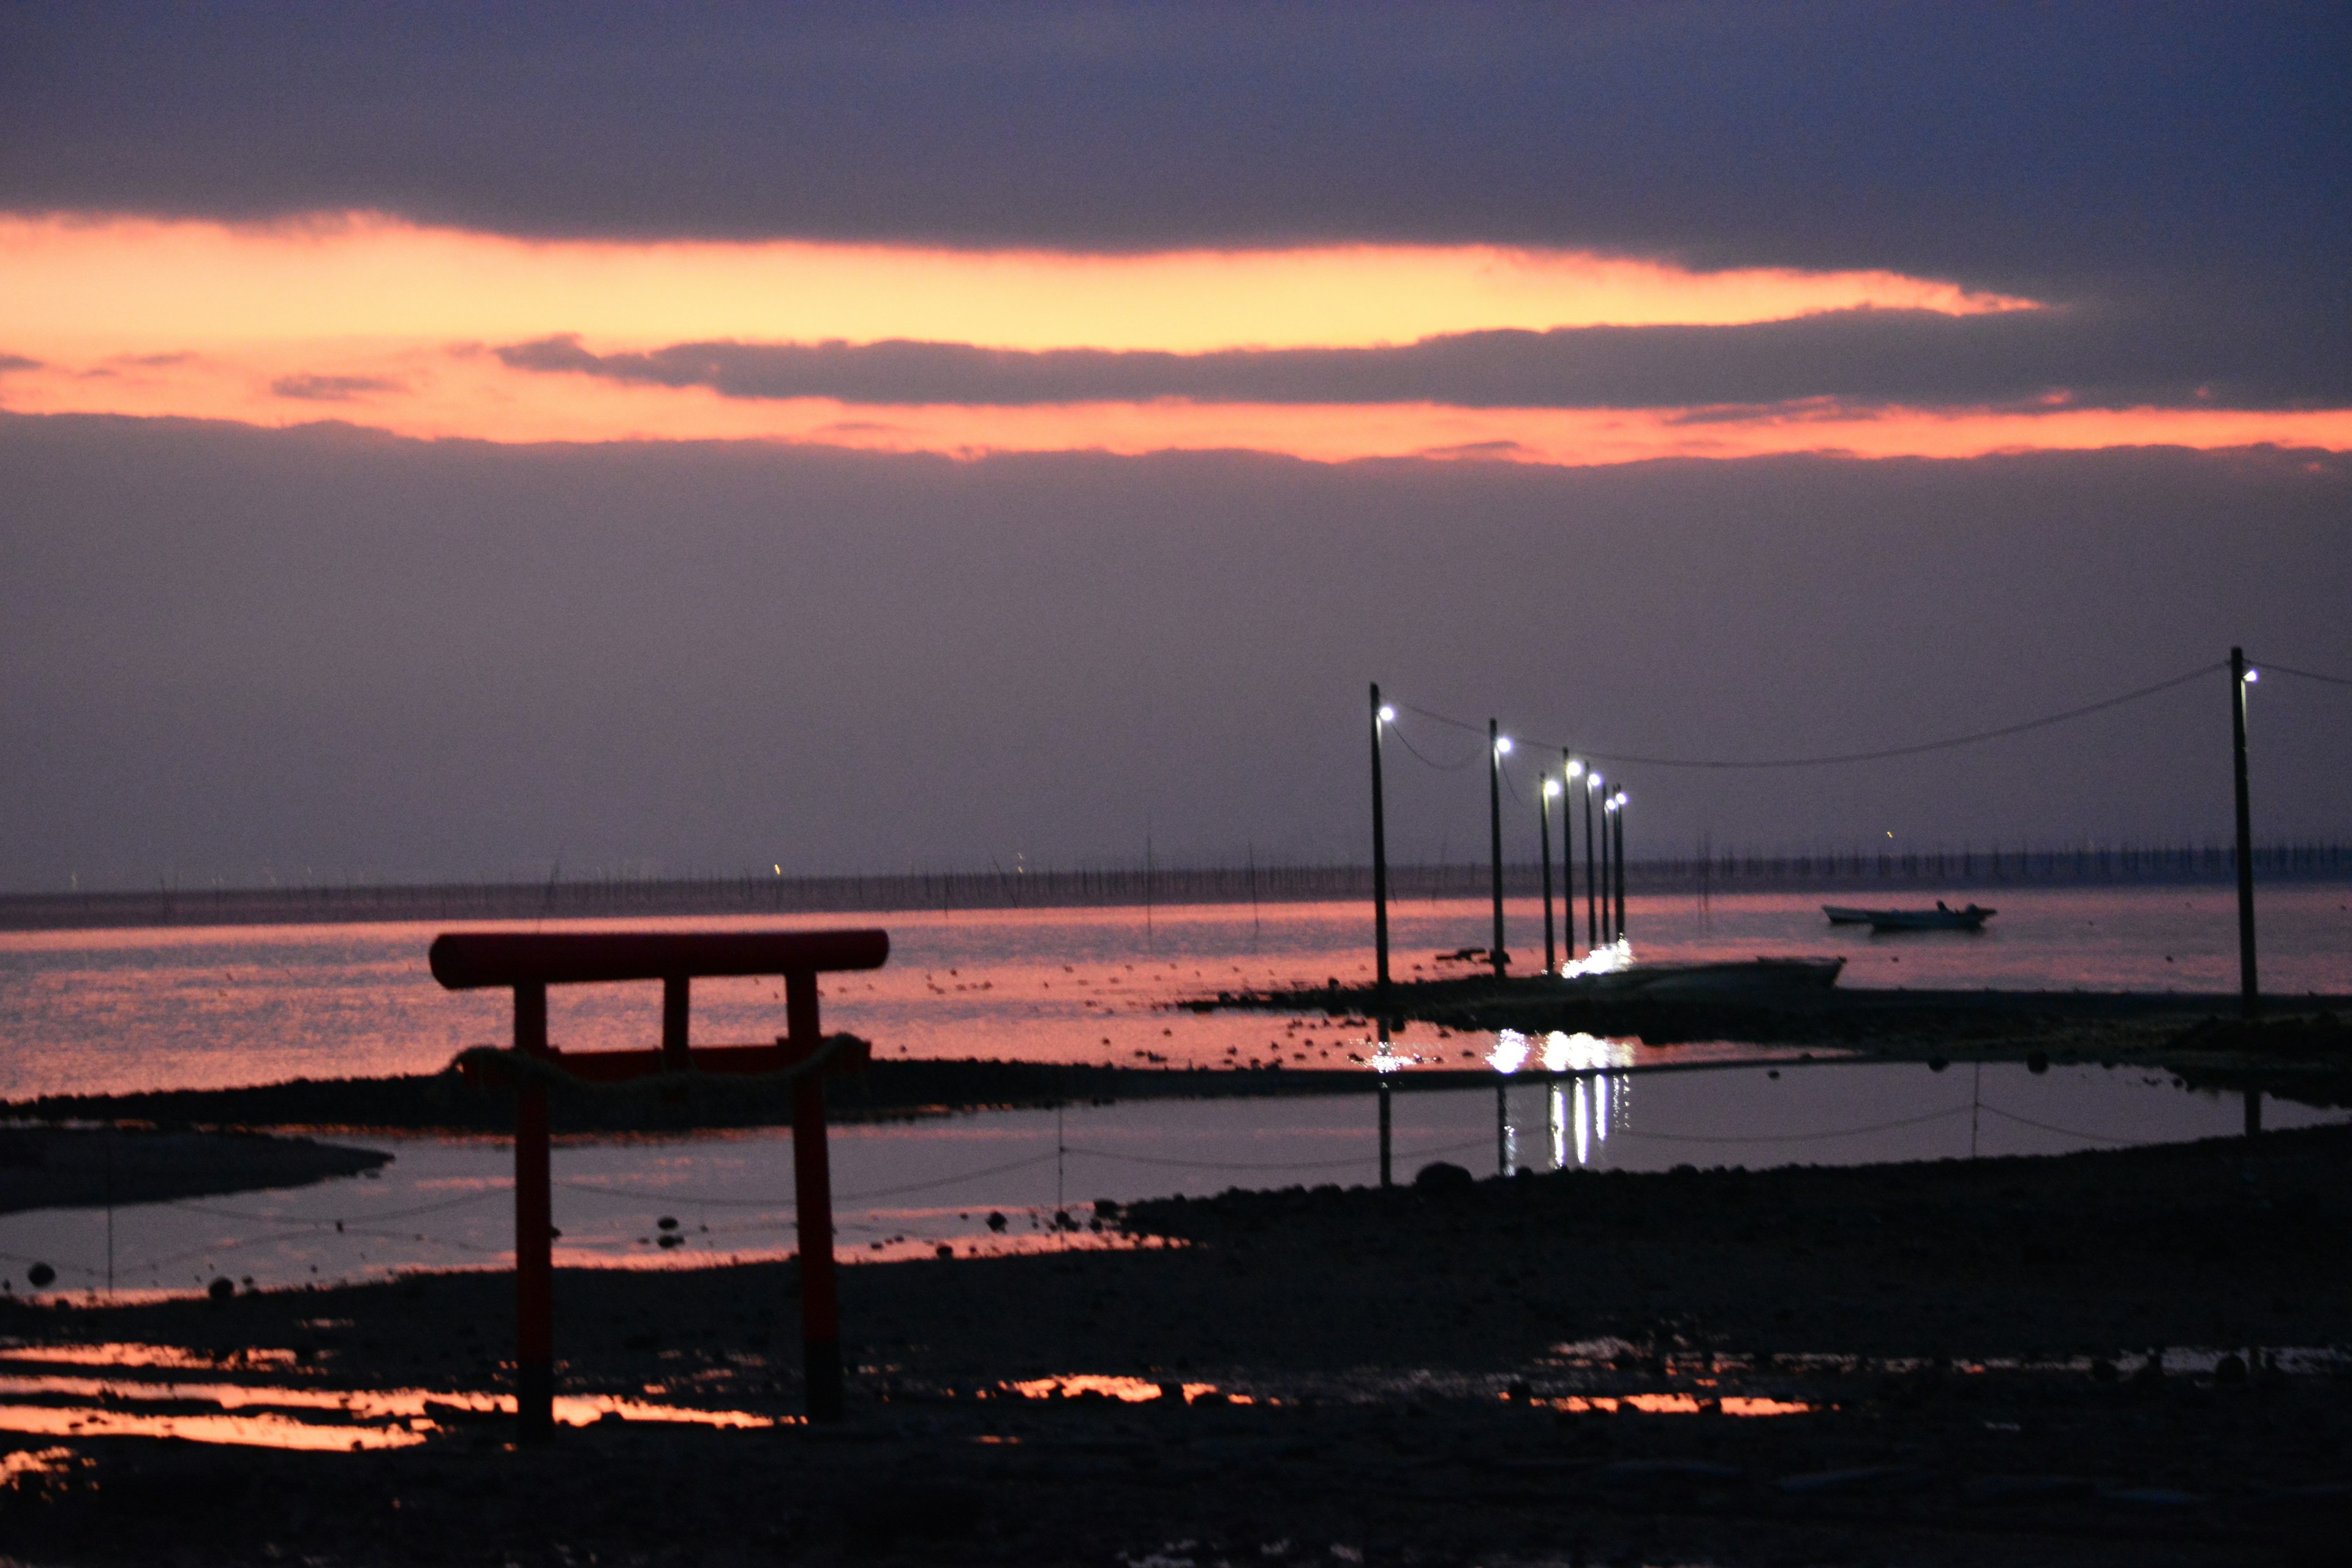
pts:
[2250, 996]
[1498, 745]
[1381, 715]
[1570, 770]
[1543, 838]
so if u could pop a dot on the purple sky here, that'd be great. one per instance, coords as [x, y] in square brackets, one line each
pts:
[237, 652]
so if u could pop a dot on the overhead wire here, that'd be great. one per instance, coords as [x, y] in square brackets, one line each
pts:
[2306, 674]
[1883, 754]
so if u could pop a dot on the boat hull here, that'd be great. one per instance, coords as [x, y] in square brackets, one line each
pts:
[1937, 918]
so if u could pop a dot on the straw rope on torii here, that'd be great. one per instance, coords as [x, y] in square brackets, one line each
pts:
[481, 1063]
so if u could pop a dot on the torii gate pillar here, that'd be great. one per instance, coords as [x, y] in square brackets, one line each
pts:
[529, 964]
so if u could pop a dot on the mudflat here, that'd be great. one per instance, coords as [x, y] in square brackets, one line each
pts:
[85, 1167]
[1942, 1363]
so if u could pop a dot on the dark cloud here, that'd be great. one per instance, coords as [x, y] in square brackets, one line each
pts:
[332, 388]
[332, 647]
[17, 361]
[2064, 149]
[2081, 356]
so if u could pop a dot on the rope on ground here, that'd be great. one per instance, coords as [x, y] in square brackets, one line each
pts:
[189, 1206]
[2062, 1131]
[1276, 1164]
[1793, 1137]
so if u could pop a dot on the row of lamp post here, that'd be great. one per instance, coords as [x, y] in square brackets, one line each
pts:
[1605, 875]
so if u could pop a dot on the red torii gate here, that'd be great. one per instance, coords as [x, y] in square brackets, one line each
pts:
[530, 962]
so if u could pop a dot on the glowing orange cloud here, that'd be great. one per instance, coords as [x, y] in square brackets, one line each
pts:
[381, 323]
[122, 286]
[420, 392]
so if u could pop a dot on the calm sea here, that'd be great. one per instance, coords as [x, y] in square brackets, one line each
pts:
[138, 1009]
[207, 1008]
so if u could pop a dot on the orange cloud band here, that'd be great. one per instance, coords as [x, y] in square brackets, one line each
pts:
[427, 391]
[149, 287]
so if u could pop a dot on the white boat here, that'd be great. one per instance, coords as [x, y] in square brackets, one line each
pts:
[1943, 917]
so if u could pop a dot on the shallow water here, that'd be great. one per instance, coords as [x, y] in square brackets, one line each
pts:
[907, 1189]
[86, 1012]
[142, 1009]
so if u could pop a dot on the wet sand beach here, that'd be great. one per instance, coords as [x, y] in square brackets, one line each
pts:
[85, 1167]
[1458, 1372]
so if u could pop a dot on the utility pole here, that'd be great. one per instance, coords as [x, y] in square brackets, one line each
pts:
[1570, 770]
[1381, 716]
[2250, 996]
[1495, 747]
[1594, 853]
[1543, 838]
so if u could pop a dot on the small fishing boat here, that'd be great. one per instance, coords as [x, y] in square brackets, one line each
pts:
[1943, 917]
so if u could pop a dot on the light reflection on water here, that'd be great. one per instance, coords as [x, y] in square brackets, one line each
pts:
[905, 1189]
[276, 1415]
[116, 1010]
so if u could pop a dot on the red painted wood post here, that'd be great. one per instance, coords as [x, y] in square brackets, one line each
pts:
[534, 1231]
[676, 992]
[812, 1195]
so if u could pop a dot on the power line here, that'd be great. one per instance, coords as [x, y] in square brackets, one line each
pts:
[1888, 754]
[2305, 674]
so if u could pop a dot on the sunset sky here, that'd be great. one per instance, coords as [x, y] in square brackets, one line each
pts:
[451, 441]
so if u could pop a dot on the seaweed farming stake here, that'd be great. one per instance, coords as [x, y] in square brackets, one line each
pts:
[529, 964]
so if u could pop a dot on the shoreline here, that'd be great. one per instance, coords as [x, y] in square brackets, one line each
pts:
[2303, 1052]
[93, 1167]
[1958, 1354]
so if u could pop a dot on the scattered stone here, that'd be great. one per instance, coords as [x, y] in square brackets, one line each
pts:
[1440, 1175]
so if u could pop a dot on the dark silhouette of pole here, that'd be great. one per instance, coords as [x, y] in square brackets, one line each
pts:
[1593, 855]
[1543, 837]
[1495, 954]
[1569, 773]
[813, 1213]
[1379, 861]
[534, 1231]
[2250, 996]
[1618, 857]
[1607, 885]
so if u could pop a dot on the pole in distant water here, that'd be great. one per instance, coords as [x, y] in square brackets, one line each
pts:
[1617, 857]
[1596, 852]
[1543, 837]
[1498, 746]
[2250, 996]
[1570, 771]
[1381, 715]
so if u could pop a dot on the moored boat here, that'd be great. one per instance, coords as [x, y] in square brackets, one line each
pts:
[1943, 917]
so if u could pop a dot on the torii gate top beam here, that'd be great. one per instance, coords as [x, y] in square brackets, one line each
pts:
[467, 961]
